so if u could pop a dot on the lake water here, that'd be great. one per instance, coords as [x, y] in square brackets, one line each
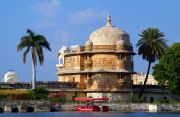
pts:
[94, 114]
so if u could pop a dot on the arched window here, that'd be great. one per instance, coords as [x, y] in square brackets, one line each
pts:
[61, 59]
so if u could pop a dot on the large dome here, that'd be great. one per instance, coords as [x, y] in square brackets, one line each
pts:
[109, 35]
[11, 76]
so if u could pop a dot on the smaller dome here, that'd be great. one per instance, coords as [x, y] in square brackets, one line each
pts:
[10, 76]
[89, 43]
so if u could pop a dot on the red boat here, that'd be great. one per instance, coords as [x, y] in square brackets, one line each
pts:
[88, 104]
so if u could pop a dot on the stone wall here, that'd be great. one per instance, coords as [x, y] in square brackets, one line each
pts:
[145, 107]
[70, 95]
[129, 107]
[134, 107]
[73, 62]
[107, 61]
[23, 105]
[69, 78]
[44, 106]
[104, 81]
[104, 61]
[114, 97]
[152, 97]
[98, 70]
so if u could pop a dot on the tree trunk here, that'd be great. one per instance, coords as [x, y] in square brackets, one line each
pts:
[143, 86]
[33, 75]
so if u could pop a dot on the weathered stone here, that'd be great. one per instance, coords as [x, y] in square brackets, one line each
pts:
[22, 105]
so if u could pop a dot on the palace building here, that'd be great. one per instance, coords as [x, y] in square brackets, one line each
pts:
[103, 67]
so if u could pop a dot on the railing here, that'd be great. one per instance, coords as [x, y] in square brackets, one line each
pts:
[39, 84]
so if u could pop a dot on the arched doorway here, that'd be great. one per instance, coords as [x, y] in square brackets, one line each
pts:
[14, 109]
[1, 110]
[29, 109]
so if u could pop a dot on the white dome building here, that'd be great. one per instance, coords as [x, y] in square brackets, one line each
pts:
[10, 76]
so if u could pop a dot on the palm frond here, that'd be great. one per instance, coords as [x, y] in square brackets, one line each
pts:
[43, 41]
[36, 43]
[30, 33]
[151, 44]
[25, 54]
[24, 43]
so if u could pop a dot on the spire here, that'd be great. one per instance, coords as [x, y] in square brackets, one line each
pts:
[109, 20]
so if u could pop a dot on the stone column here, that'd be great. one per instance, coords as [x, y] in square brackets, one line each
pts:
[7, 108]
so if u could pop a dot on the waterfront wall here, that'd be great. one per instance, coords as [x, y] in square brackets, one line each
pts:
[134, 107]
[44, 106]
[145, 107]
[25, 105]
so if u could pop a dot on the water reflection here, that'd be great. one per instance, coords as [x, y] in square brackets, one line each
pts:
[94, 114]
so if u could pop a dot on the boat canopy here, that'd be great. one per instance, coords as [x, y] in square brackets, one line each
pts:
[93, 99]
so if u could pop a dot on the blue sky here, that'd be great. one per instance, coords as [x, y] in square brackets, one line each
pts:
[70, 22]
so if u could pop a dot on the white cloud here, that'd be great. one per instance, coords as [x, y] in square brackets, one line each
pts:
[63, 36]
[47, 12]
[88, 15]
[46, 23]
[48, 9]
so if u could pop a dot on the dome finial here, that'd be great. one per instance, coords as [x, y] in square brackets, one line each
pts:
[109, 19]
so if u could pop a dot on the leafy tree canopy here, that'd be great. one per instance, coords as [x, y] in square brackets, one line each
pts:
[167, 71]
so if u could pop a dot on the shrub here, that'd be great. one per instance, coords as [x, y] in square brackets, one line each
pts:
[162, 100]
[57, 97]
[2, 96]
[38, 93]
[137, 100]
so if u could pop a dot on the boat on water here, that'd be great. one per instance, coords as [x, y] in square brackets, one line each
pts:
[90, 104]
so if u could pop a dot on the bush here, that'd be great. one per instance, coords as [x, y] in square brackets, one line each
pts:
[57, 97]
[137, 100]
[2, 96]
[162, 100]
[38, 93]
[22, 96]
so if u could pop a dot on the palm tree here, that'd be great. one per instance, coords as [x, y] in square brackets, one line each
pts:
[35, 44]
[151, 46]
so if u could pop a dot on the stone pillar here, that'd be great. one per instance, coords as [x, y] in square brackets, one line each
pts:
[88, 62]
[7, 108]
[89, 81]
[153, 108]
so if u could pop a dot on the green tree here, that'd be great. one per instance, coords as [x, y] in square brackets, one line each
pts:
[39, 93]
[167, 71]
[151, 46]
[35, 44]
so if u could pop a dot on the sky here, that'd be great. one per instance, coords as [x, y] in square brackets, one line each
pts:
[70, 22]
